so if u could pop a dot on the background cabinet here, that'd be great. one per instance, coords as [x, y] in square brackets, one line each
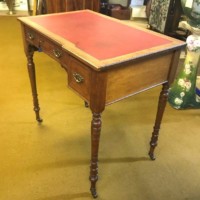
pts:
[55, 6]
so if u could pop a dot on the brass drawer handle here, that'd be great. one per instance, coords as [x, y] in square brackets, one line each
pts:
[78, 78]
[57, 53]
[30, 36]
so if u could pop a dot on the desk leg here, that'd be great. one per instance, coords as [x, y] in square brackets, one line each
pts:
[95, 136]
[161, 108]
[31, 71]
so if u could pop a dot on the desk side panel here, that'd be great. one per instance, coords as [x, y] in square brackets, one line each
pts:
[132, 78]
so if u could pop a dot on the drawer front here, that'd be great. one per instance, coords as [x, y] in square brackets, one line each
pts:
[79, 78]
[52, 48]
[31, 36]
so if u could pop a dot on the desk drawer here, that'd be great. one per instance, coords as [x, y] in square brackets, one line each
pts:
[51, 48]
[79, 78]
[31, 36]
[44, 44]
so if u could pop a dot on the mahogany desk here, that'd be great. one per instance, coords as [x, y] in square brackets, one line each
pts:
[106, 61]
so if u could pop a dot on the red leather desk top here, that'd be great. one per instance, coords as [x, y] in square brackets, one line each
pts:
[98, 36]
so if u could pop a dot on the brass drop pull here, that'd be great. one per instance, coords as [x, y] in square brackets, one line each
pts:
[57, 53]
[78, 78]
[30, 36]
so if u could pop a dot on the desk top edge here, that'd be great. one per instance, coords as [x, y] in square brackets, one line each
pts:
[103, 63]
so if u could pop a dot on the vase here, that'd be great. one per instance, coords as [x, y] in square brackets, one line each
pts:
[182, 93]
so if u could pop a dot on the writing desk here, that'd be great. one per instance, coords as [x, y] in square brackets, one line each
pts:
[106, 61]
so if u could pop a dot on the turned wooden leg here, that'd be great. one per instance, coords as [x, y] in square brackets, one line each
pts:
[95, 135]
[161, 108]
[31, 71]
